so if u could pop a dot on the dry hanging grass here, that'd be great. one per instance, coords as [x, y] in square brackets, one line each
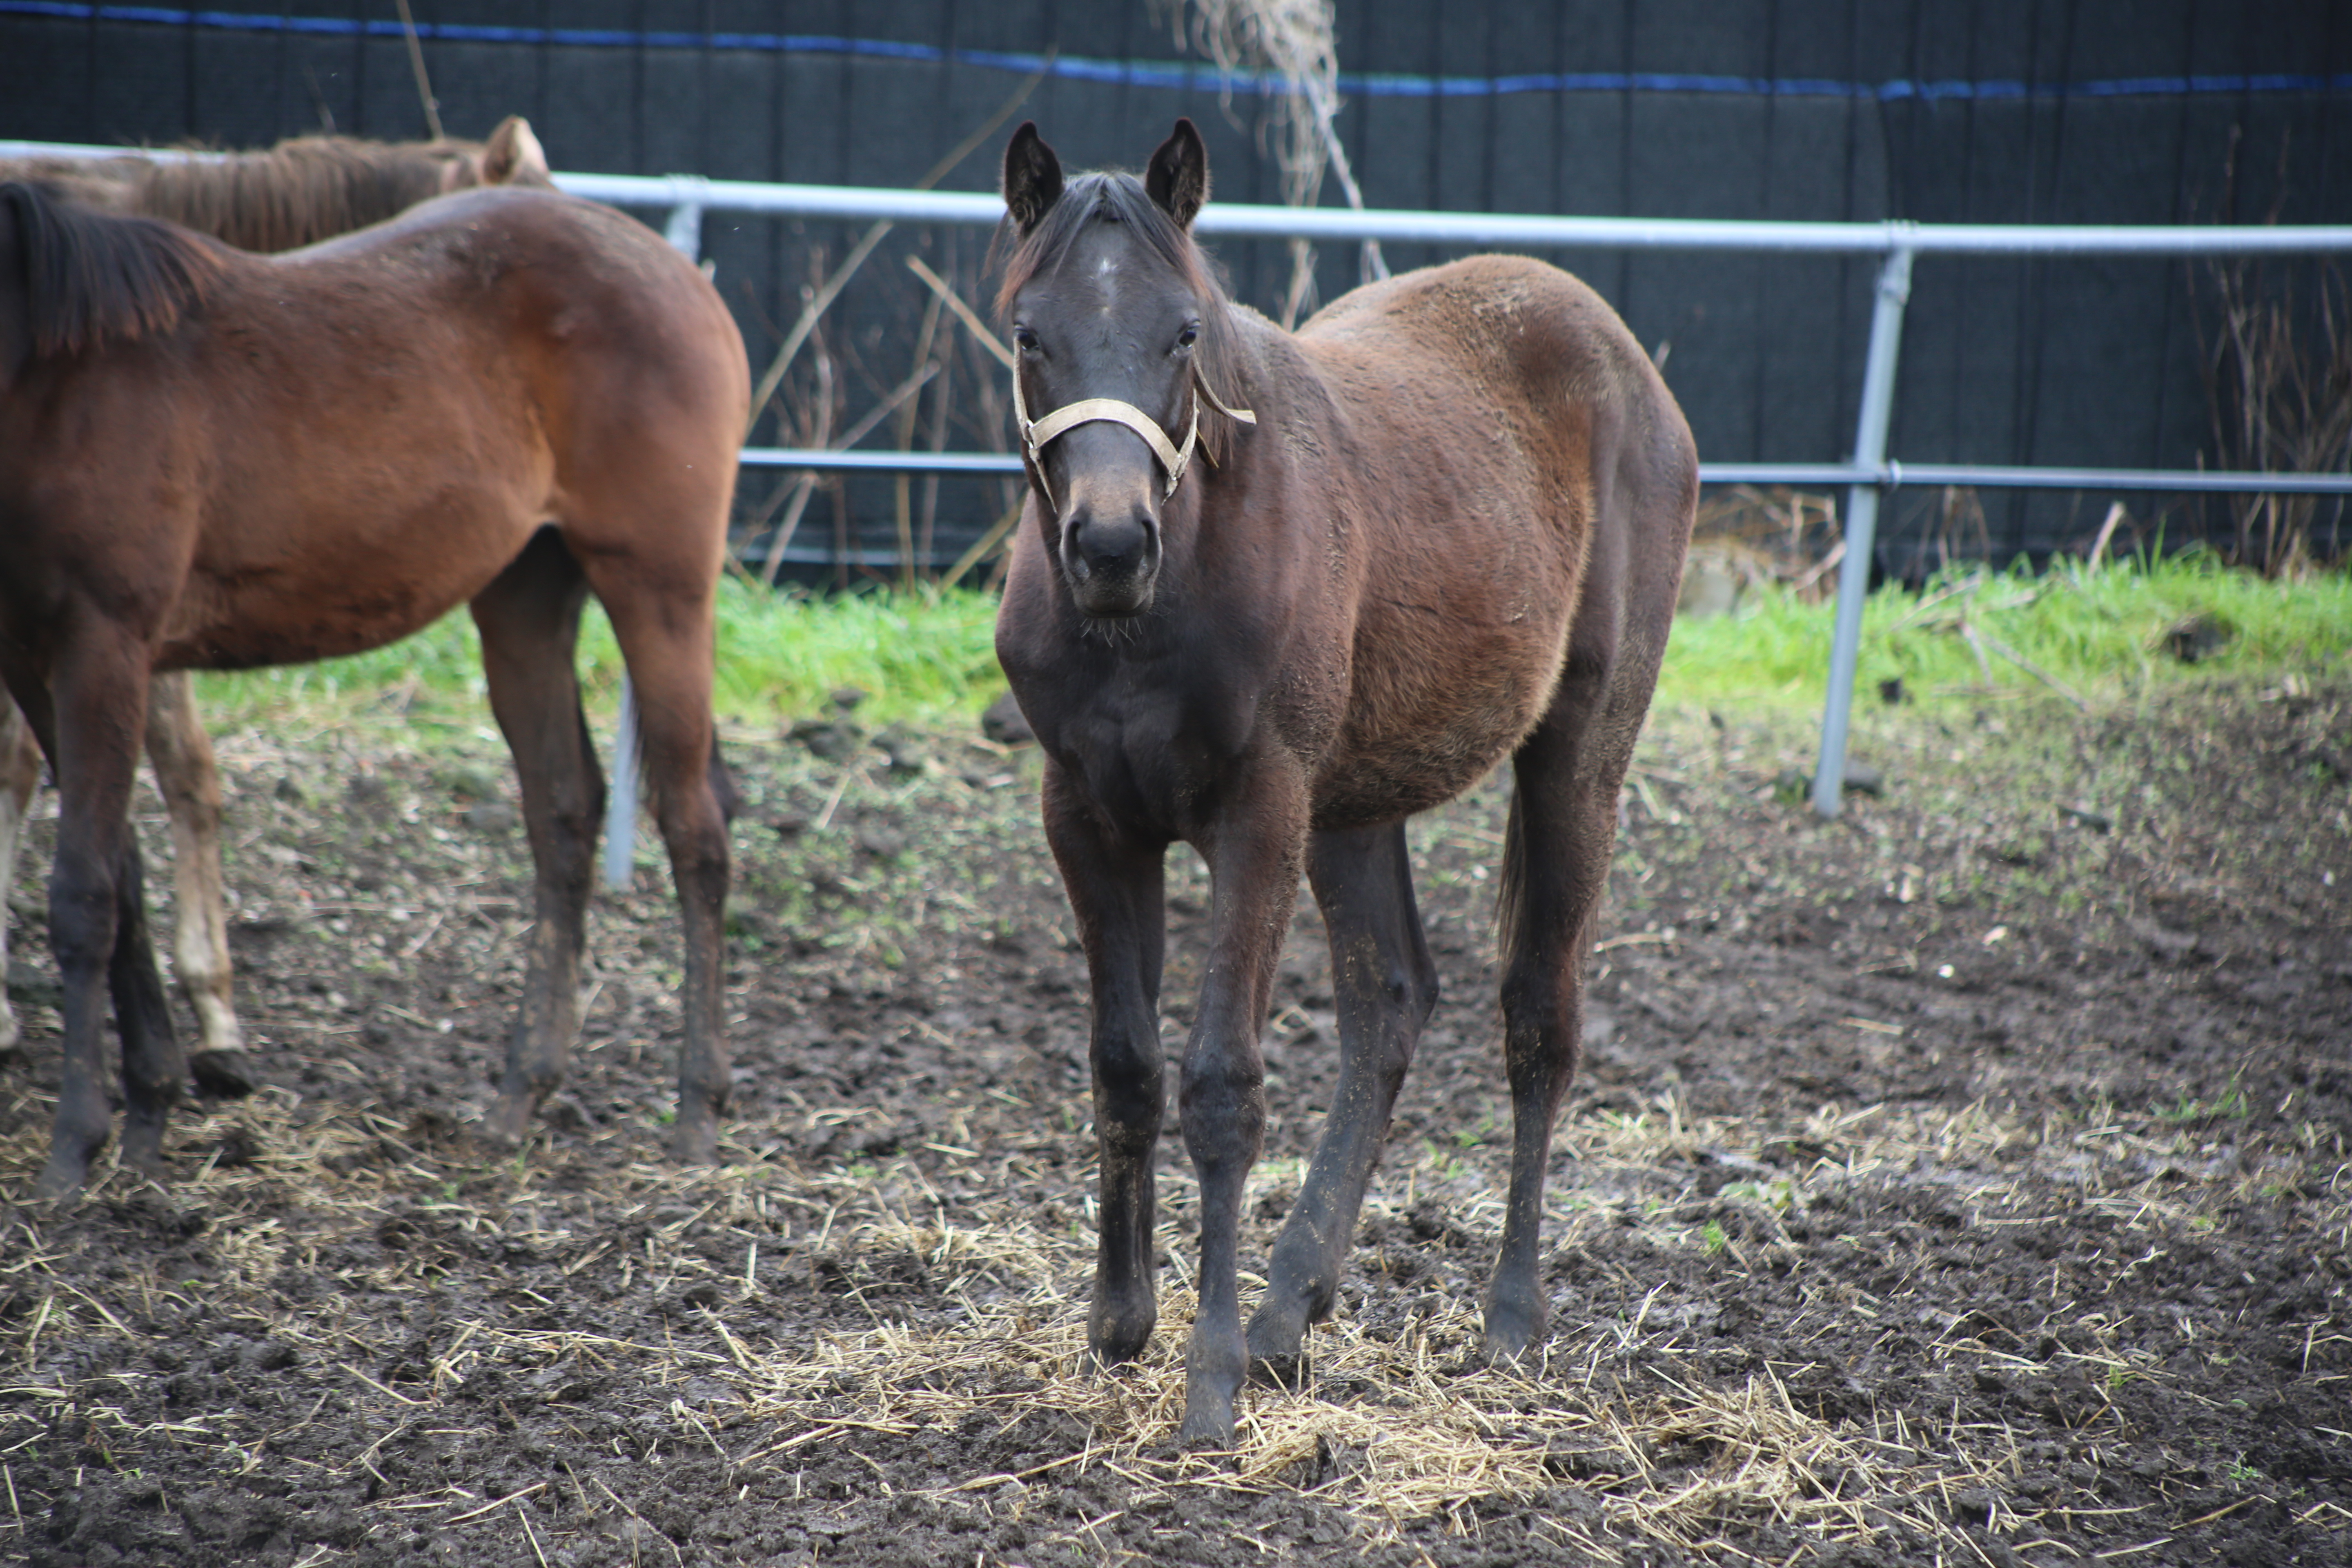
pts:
[1296, 41]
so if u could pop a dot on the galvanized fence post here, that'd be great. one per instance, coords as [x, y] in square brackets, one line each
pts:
[1862, 515]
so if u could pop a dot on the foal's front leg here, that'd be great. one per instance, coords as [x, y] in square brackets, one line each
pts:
[1254, 854]
[1386, 984]
[89, 718]
[1117, 893]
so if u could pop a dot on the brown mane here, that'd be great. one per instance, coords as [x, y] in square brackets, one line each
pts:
[1120, 198]
[295, 194]
[93, 275]
[298, 193]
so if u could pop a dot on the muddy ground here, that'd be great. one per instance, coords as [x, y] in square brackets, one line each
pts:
[1963, 1182]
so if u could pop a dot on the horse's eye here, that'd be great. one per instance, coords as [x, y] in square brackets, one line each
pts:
[1024, 340]
[1188, 336]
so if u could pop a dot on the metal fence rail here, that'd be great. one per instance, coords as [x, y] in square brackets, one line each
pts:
[1868, 473]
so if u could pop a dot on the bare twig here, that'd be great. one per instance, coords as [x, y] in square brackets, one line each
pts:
[824, 298]
[982, 548]
[493, 1506]
[417, 64]
[1979, 633]
[818, 303]
[903, 490]
[964, 314]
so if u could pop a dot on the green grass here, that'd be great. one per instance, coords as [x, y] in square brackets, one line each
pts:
[2099, 634]
[917, 657]
[924, 658]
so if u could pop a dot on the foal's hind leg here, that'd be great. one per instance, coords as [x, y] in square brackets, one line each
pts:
[666, 631]
[529, 620]
[1386, 985]
[189, 779]
[1555, 851]
[20, 775]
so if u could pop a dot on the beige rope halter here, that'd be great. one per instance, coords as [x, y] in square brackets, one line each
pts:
[1175, 459]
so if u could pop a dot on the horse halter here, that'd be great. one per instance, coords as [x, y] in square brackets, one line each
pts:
[1036, 432]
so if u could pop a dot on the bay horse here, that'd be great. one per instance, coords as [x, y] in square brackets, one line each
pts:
[305, 189]
[210, 459]
[1440, 526]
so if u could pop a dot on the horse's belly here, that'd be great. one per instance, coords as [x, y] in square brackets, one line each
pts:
[1415, 736]
[262, 616]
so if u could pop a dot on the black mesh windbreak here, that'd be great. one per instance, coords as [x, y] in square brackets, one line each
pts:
[1978, 111]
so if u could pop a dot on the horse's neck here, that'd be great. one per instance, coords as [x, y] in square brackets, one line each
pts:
[1278, 381]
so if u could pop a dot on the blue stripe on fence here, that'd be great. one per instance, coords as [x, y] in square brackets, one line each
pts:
[1174, 74]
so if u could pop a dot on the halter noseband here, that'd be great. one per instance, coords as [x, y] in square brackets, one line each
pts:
[1036, 432]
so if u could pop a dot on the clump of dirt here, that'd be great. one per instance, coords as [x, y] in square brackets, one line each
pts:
[1964, 1180]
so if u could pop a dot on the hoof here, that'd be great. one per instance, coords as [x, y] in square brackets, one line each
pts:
[694, 1139]
[1277, 1350]
[1118, 1330]
[224, 1075]
[1283, 1370]
[62, 1177]
[508, 1121]
[1206, 1431]
[1507, 1344]
[143, 1148]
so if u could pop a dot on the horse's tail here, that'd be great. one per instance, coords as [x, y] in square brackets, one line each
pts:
[1511, 886]
[88, 277]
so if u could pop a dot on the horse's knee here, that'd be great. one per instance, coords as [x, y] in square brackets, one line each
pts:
[1130, 1089]
[1224, 1109]
[1541, 1043]
[1413, 989]
[700, 866]
[82, 918]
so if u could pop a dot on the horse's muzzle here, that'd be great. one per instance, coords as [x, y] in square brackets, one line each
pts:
[1110, 563]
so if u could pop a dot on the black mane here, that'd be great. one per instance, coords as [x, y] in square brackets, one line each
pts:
[92, 276]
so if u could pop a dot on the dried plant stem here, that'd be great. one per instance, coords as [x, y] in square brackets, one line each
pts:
[417, 64]
[902, 496]
[964, 314]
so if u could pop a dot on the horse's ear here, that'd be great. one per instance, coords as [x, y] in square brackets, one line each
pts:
[1033, 178]
[1178, 179]
[513, 154]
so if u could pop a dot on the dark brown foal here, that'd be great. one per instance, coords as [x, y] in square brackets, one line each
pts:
[1444, 527]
